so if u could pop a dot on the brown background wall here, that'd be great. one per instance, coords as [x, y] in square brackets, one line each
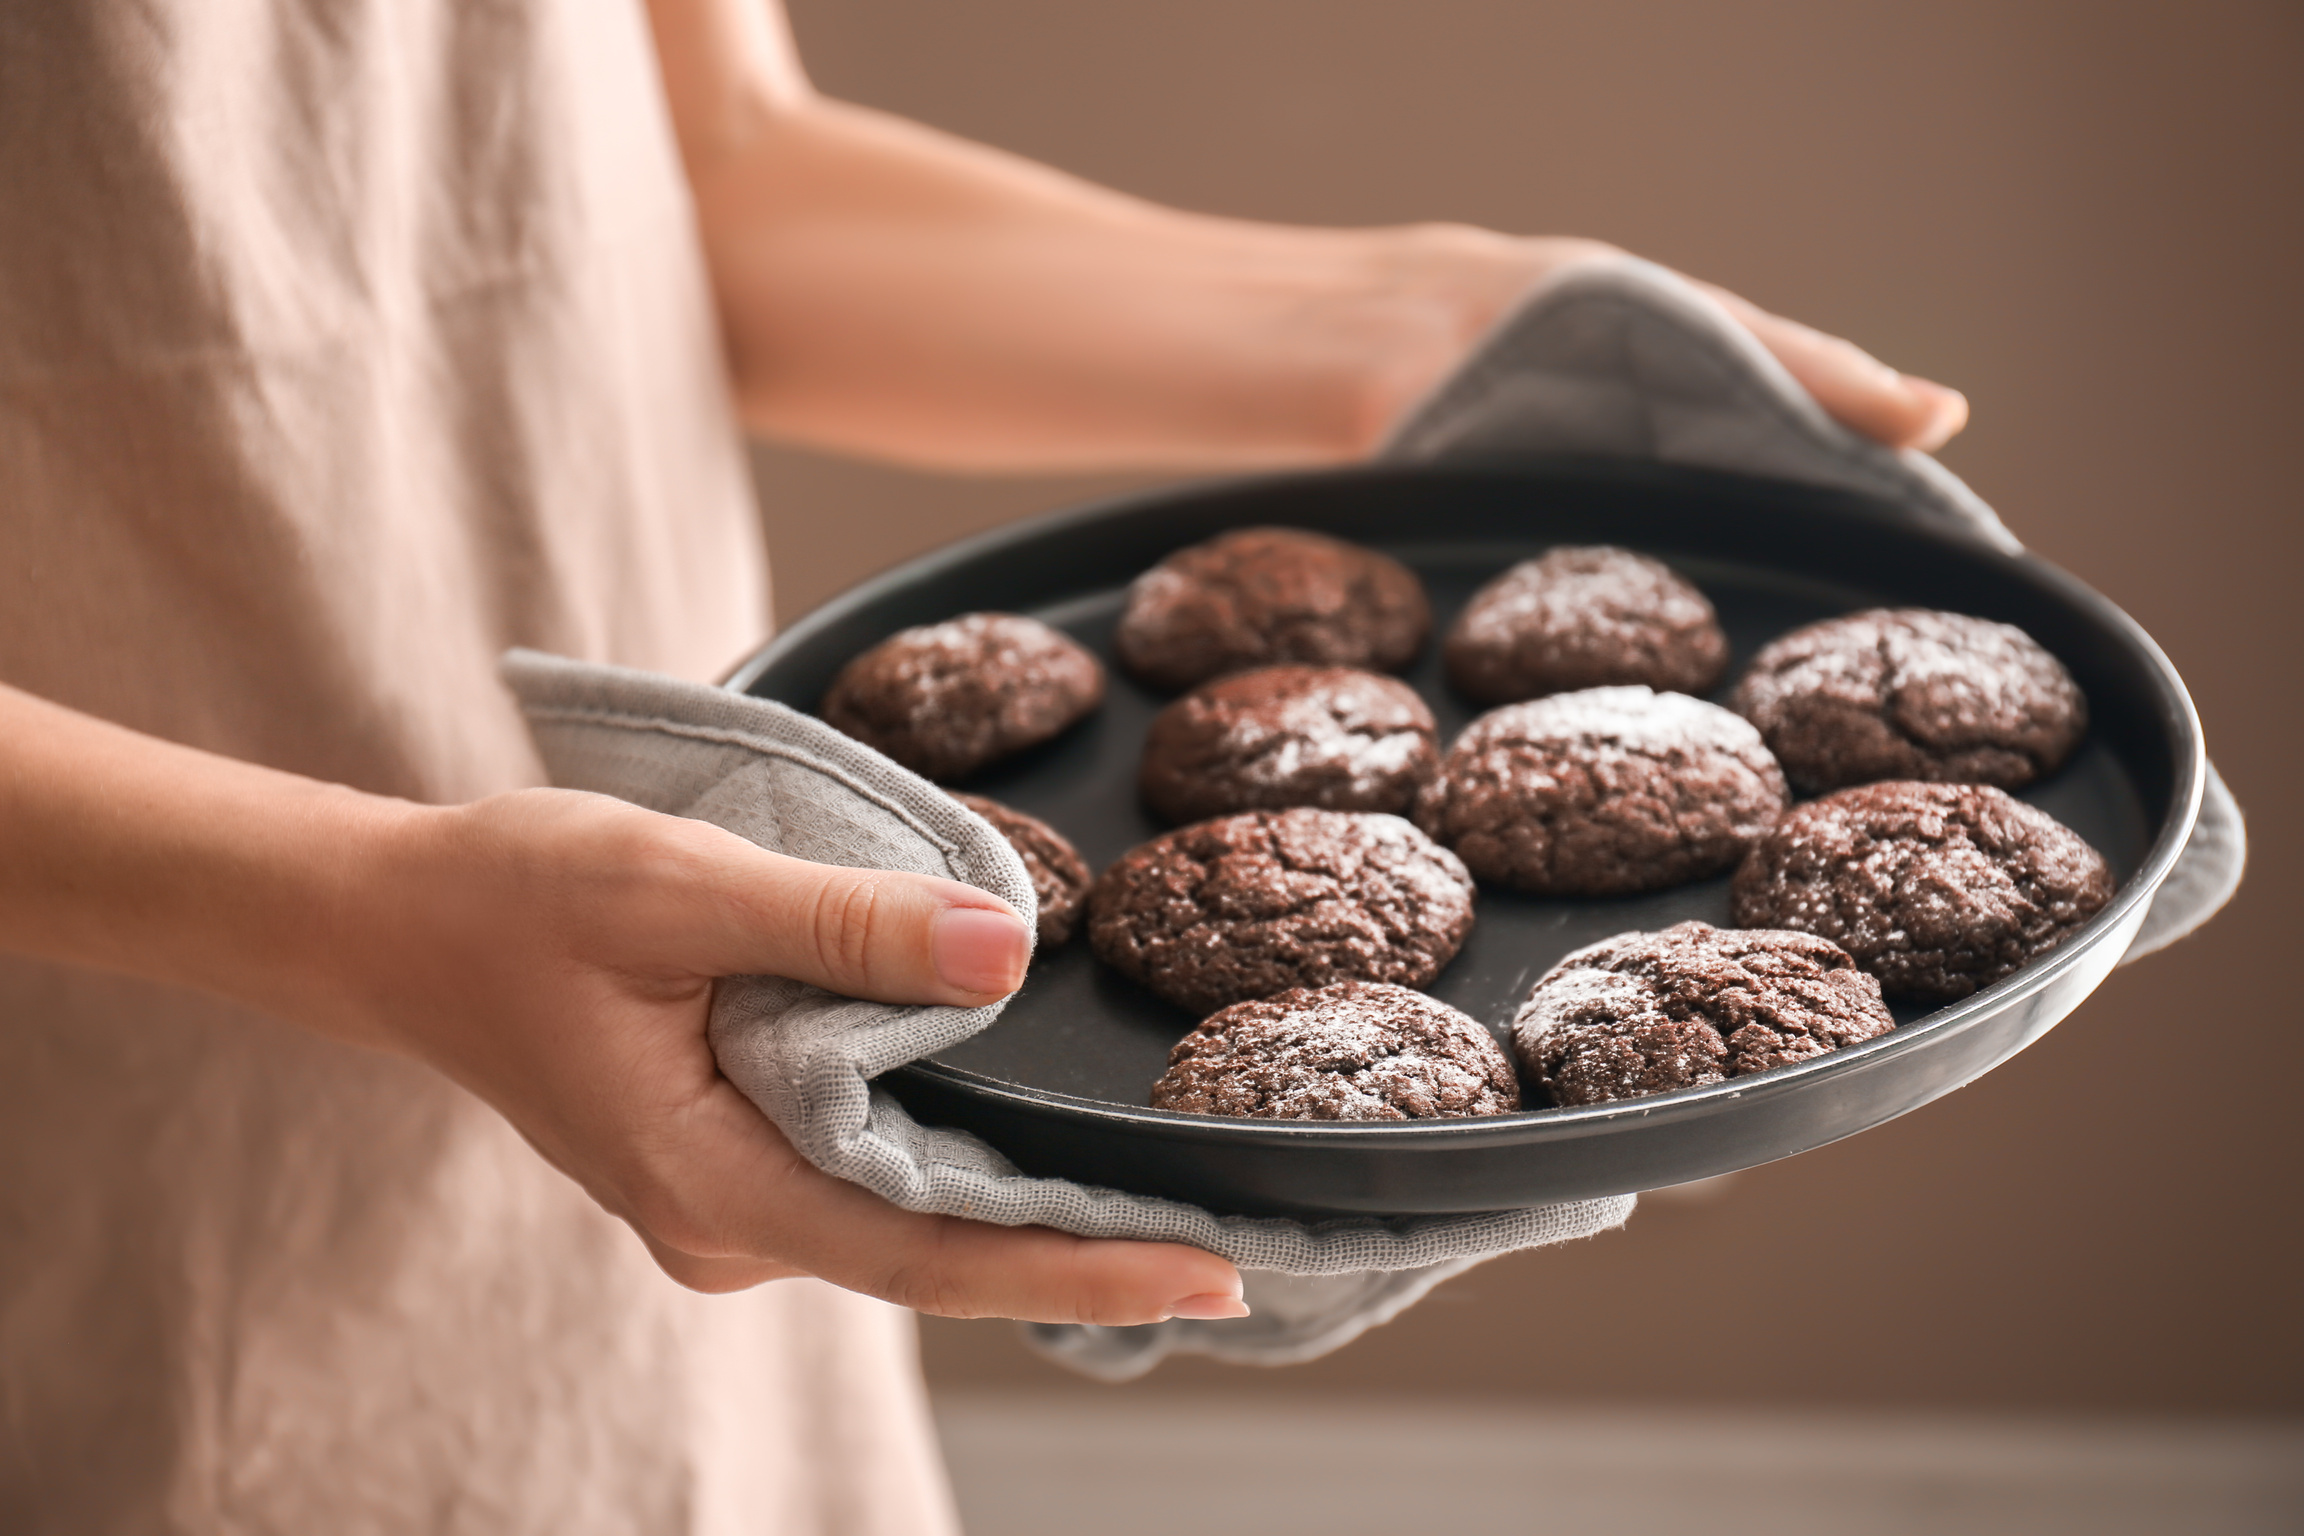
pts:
[2085, 215]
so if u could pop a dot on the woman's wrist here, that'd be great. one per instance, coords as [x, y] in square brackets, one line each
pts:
[279, 893]
[128, 853]
[1432, 291]
[326, 921]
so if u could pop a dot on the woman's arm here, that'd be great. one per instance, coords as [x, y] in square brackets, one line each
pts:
[891, 290]
[554, 953]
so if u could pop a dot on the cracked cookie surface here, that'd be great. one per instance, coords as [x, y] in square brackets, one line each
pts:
[1059, 874]
[1245, 906]
[1644, 1013]
[1584, 616]
[1603, 792]
[1357, 1050]
[1912, 693]
[1262, 596]
[1334, 737]
[947, 699]
[1937, 889]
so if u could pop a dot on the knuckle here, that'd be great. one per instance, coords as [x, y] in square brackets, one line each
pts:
[842, 927]
[925, 1280]
[1116, 1312]
[1094, 1300]
[669, 850]
[923, 1289]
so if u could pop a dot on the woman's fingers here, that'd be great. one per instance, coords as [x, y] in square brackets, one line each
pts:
[956, 1268]
[1487, 274]
[726, 1190]
[1854, 387]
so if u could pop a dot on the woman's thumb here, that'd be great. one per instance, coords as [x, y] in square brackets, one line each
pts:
[883, 934]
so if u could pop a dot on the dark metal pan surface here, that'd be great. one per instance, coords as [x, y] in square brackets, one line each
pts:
[1059, 1084]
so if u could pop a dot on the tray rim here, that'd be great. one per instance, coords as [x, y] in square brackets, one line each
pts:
[1530, 1127]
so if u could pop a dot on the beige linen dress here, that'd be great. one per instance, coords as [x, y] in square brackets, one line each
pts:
[344, 343]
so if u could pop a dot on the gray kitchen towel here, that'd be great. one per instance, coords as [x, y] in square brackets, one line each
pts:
[807, 1057]
[1622, 358]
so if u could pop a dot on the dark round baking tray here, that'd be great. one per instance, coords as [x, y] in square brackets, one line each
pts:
[1059, 1083]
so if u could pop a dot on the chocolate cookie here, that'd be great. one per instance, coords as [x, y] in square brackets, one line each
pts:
[1249, 905]
[947, 699]
[1584, 616]
[1059, 874]
[1647, 1013]
[1911, 693]
[1603, 792]
[1937, 889]
[1358, 1050]
[1333, 737]
[1258, 596]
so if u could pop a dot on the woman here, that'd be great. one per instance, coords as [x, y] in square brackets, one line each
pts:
[343, 345]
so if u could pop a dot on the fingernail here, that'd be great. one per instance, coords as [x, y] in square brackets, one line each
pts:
[980, 950]
[1947, 411]
[1208, 1307]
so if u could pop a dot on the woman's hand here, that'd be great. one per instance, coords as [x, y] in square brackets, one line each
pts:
[554, 952]
[1463, 279]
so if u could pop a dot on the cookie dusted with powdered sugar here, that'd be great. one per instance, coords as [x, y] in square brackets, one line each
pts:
[1333, 737]
[1911, 693]
[1358, 1050]
[947, 699]
[1603, 792]
[1261, 596]
[1249, 905]
[1584, 616]
[1646, 1013]
[1059, 874]
[1937, 889]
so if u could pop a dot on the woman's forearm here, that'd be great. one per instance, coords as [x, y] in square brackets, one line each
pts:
[127, 853]
[890, 289]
